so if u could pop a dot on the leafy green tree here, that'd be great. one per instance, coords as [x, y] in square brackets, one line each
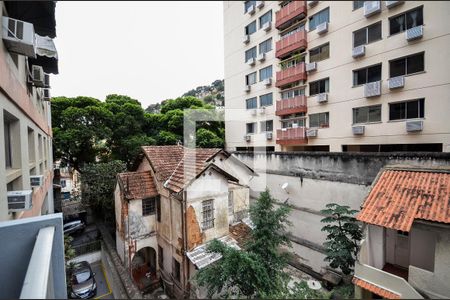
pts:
[343, 236]
[208, 139]
[181, 103]
[168, 138]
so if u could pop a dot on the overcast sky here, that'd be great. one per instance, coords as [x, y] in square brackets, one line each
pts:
[150, 51]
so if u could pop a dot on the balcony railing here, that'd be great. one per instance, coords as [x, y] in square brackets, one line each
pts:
[292, 136]
[291, 75]
[292, 11]
[291, 106]
[296, 41]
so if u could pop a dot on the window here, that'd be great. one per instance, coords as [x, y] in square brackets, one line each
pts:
[265, 73]
[366, 75]
[267, 126]
[158, 208]
[208, 214]
[250, 28]
[250, 78]
[357, 4]
[31, 146]
[293, 121]
[161, 257]
[293, 30]
[8, 152]
[267, 17]
[251, 128]
[319, 18]
[63, 183]
[148, 206]
[319, 86]
[406, 20]
[292, 62]
[406, 65]
[407, 110]
[292, 93]
[251, 103]
[320, 120]
[367, 114]
[266, 100]
[319, 53]
[248, 4]
[176, 269]
[265, 46]
[367, 35]
[250, 53]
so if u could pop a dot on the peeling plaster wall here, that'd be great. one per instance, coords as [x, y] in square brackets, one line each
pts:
[241, 202]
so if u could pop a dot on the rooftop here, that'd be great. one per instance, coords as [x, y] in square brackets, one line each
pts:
[137, 185]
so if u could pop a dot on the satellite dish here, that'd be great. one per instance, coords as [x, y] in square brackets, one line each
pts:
[314, 284]
[284, 186]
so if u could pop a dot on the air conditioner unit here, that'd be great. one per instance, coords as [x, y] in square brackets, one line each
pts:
[261, 57]
[312, 3]
[322, 28]
[372, 89]
[396, 82]
[413, 126]
[262, 110]
[414, 33]
[294, 125]
[359, 51]
[46, 80]
[19, 200]
[358, 130]
[267, 81]
[259, 4]
[390, 4]
[269, 135]
[251, 61]
[311, 133]
[311, 67]
[267, 26]
[36, 180]
[247, 88]
[371, 8]
[253, 112]
[323, 97]
[46, 95]
[246, 39]
[19, 37]
[37, 76]
[251, 10]
[247, 138]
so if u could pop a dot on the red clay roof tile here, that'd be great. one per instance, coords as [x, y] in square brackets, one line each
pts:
[375, 289]
[137, 185]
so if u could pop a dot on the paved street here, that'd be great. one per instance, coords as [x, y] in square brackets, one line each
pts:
[103, 285]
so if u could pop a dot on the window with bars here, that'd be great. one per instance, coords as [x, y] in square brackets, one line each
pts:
[319, 86]
[250, 53]
[367, 35]
[367, 114]
[267, 126]
[366, 75]
[407, 110]
[320, 120]
[208, 214]
[407, 65]
[149, 206]
[406, 20]
[319, 53]
[265, 46]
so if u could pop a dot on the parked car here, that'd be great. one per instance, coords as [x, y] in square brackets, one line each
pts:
[72, 227]
[82, 281]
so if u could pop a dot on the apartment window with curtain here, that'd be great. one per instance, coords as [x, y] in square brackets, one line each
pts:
[412, 109]
[320, 120]
[265, 46]
[250, 78]
[266, 126]
[319, 86]
[358, 4]
[251, 128]
[265, 73]
[319, 53]
[266, 100]
[366, 75]
[292, 93]
[208, 214]
[267, 17]
[367, 114]
[407, 65]
[250, 28]
[250, 53]
[406, 20]
[367, 35]
[251, 103]
[248, 4]
[319, 18]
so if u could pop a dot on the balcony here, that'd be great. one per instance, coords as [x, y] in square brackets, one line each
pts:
[291, 106]
[287, 45]
[292, 136]
[290, 75]
[294, 11]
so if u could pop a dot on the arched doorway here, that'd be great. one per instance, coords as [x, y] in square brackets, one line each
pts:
[143, 269]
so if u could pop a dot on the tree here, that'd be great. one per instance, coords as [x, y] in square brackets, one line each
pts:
[181, 103]
[342, 238]
[257, 270]
[208, 139]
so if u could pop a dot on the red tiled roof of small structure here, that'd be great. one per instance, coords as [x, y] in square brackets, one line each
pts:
[375, 289]
[137, 185]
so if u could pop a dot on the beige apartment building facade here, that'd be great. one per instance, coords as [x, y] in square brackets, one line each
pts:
[337, 75]
[27, 57]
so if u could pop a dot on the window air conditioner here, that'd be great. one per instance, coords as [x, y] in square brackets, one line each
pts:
[247, 88]
[372, 89]
[358, 130]
[371, 8]
[267, 26]
[311, 133]
[413, 126]
[396, 82]
[251, 10]
[322, 28]
[269, 135]
[261, 57]
[251, 61]
[311, 67]
[267, 81]
[359, 51]
[246, 39]
[390, 4]
[37, 76]
[247, 138]
[259, 4]
[322, 97]
[414, 33]
[312, 3]
[19, 37]
[36, 180]
[19, 200]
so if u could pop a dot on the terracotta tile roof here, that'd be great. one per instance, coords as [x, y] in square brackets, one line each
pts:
[137, 185]
[375, 289]
[240, 232]
[399, 197]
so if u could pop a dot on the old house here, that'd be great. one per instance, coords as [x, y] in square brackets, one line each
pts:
[175, 201]
[406, 249]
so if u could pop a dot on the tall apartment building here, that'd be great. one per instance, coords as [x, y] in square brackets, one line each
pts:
[27, 57]
[337, 75]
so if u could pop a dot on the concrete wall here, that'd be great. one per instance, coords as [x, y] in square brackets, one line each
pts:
[89, 257]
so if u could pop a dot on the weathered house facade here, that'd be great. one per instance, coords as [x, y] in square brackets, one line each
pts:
[176, 201]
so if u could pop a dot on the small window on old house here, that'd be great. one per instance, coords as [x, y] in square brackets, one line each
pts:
[148, 206]
[208, 214]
